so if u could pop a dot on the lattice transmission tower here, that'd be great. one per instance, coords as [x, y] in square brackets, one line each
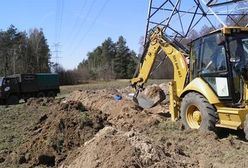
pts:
[179, 17]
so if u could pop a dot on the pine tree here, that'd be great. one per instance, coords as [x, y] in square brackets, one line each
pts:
[110, 60]
[108, 54]
[131, 66]
[121, 58]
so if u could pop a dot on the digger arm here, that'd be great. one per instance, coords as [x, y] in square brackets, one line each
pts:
[157, 42]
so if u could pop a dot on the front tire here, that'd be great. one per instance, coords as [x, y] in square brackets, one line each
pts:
[198, 113]
[41, 94]
[51, 94]
[12, 100]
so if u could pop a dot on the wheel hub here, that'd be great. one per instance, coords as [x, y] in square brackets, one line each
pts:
[193, 117]
[197, 116]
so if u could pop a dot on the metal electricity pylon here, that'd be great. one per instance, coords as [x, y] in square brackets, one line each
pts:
[179, 17]
[56, 54]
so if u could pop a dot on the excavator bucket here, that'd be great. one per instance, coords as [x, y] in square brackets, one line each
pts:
[144, 102]
[150, 97]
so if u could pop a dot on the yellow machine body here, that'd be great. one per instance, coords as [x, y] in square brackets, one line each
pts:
[157, 42]
[228, 117]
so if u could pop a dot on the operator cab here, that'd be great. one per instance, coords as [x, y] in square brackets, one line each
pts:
[221, 60]
[8, 85]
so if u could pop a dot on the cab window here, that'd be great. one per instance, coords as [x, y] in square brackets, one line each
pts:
[194, 58]
[208, 62]
[213, 58]
[10, 81]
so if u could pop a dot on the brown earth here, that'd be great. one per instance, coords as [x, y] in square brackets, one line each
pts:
[56, 133]
[91, 129]
[147, 138]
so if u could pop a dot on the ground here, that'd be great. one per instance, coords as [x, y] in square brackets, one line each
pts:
[86, 126]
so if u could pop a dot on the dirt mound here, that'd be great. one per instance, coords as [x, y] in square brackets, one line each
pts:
[43, 101]
[72, 105]
[154, 92]
[147, 138]
[94, 129]
[59, 131]
[112, 148]
[123, 114]
[163, 147]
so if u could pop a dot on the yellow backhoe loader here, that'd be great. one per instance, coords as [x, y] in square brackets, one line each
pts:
[212, 90]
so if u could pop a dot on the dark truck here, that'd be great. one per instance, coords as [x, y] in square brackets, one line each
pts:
[24, 86]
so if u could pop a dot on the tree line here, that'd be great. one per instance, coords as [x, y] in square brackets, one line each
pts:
[22, 52]
[110, 60]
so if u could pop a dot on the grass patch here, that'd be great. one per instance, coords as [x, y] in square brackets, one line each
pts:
[115, 84]
[170, 126]
[15, 121]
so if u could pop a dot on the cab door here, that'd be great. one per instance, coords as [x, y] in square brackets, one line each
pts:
[209, 62]
[10, 86]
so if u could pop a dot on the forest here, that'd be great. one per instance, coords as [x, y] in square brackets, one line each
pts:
[110, 60]
[29, 52]
[22, 52]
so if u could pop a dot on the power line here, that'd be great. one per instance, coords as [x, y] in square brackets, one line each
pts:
[57, 33]
[82, 23]
[56, 20]
[77, 21]
[83, 6]
[91, 26]
[59, 18]
[96, 18]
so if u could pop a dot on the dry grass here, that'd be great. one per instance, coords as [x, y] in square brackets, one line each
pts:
[115, 84]
[15, 121]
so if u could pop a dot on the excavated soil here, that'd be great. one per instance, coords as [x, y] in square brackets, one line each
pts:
[92, 128]
[56, 133]
[147, 138]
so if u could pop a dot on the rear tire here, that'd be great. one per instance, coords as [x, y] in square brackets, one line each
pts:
[41, 94]
[51, 94]
[26, 97]
[198, 113]
[246, 127]
[12, 100]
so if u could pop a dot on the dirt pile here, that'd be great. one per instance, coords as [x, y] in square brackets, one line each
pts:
[123, 114]
[65, 127]
[92, 129]
[207, 149]
[170, 147]
[154, 93]
[147, 138]
[113, 148]
[42, 101]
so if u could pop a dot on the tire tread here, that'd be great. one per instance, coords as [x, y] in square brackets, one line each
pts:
[211, 112]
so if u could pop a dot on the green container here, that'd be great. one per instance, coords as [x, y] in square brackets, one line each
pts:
[47, 81]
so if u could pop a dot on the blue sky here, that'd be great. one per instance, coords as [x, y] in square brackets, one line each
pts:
[78, 25]
[81, 25]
